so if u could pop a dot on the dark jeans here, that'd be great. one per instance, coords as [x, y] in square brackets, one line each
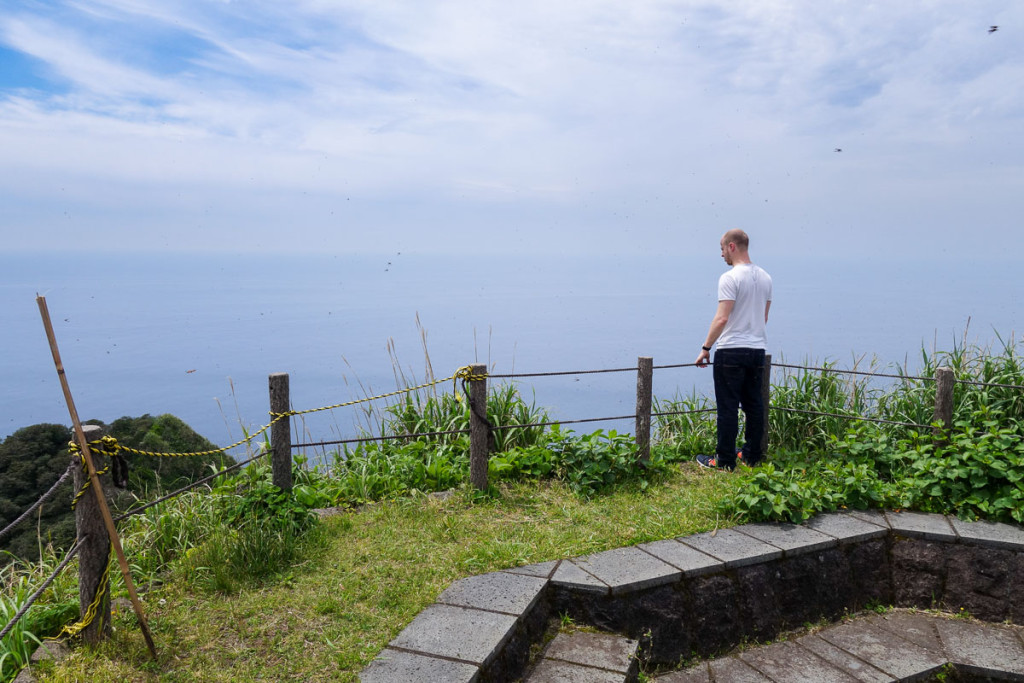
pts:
[739, 374]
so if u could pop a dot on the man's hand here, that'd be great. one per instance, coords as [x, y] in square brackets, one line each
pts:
[703, 358]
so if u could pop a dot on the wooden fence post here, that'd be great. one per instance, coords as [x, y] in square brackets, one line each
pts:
[94, 555]
[644, 381]
[280, 432]
[943, 404]
[479, 429]
[766, 396]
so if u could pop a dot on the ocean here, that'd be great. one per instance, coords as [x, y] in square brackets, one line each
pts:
[198, 335]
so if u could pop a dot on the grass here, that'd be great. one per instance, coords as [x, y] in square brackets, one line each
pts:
[378, 568]
[235, 609]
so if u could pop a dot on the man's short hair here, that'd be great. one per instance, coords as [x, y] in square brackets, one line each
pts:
[737, 237]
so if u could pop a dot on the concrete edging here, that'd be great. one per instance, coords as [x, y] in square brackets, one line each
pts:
[705, 593]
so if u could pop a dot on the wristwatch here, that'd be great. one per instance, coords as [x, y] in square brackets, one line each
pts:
[706, 348]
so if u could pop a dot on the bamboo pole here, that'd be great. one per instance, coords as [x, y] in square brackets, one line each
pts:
[87, 455]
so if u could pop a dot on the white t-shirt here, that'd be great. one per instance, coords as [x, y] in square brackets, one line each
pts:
[750, 287]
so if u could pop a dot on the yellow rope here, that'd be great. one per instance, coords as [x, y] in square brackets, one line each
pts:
[93, 608]
[111, 446]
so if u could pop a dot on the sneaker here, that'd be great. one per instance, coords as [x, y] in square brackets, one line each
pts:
[744, 461]
[711, 462]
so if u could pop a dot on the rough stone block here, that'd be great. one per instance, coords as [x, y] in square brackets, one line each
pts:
[1016, 589]
[791, 538]
[762, 618]
[790, 662]
[628, 569]
[468, 635]
[930, 527]
[715, 619]
[689, 561]
[869, 576]
[978, 579]
[884, 651]
[991, 534]
[395, 666]
[848, 528]
[982, 649]
[732, 547]
[660, 618]
[497, 592]
[918, 573]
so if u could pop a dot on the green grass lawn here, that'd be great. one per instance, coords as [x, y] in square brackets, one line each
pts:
[368, 573]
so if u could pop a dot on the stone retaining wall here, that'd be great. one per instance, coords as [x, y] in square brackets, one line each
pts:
[701, 594]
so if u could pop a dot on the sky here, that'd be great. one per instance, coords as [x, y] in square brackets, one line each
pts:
[465, 127]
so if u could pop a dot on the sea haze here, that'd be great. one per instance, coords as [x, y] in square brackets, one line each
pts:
[197, 336]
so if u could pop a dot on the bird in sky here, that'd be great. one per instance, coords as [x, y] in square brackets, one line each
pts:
[838, 149]
[993, 29]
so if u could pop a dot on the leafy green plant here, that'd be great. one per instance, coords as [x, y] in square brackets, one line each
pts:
[18, 645]
[593, 462]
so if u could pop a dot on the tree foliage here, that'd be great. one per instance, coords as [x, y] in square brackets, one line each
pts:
[33, 458]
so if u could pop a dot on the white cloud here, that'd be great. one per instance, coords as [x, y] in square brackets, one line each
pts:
[618, 115]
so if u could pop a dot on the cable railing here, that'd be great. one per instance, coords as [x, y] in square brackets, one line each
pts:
[474, 384]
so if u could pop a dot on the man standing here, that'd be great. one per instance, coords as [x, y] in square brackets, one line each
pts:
[744, 297]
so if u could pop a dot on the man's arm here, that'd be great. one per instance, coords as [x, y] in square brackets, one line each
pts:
[767, 305]
[715, 331]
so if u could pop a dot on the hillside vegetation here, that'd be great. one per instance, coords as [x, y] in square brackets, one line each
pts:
[245, 582]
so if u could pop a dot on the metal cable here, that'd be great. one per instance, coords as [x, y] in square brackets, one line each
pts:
[378, 438]
[851, 372]
[42, 499]
[556, 374]
[851, 417]
[191, 486]
[46, 584]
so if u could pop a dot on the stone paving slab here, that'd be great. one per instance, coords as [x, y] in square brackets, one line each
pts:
[395, 666]
[991, 534]
[554, 671]
[847, 528]
[570, 576]
[788, 661]
[791, 538]
[735, 670]
[543, 570]
[732, 547]
[982, 648]
[916, 628]
[695, 674]
[879, 648]
[841, 659]
[930, 527]
[497, 592]
[601, 650]
[468, 635]
[628, 569]
[873, 516]
[690, 561]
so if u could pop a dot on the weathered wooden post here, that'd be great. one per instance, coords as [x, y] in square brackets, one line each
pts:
[94, 554]
[280, 431]
[944, 381]
[766, 395]
[644, 382]
[479, 429]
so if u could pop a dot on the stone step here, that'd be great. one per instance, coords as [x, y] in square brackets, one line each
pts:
[898, 646]
[585, 657]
